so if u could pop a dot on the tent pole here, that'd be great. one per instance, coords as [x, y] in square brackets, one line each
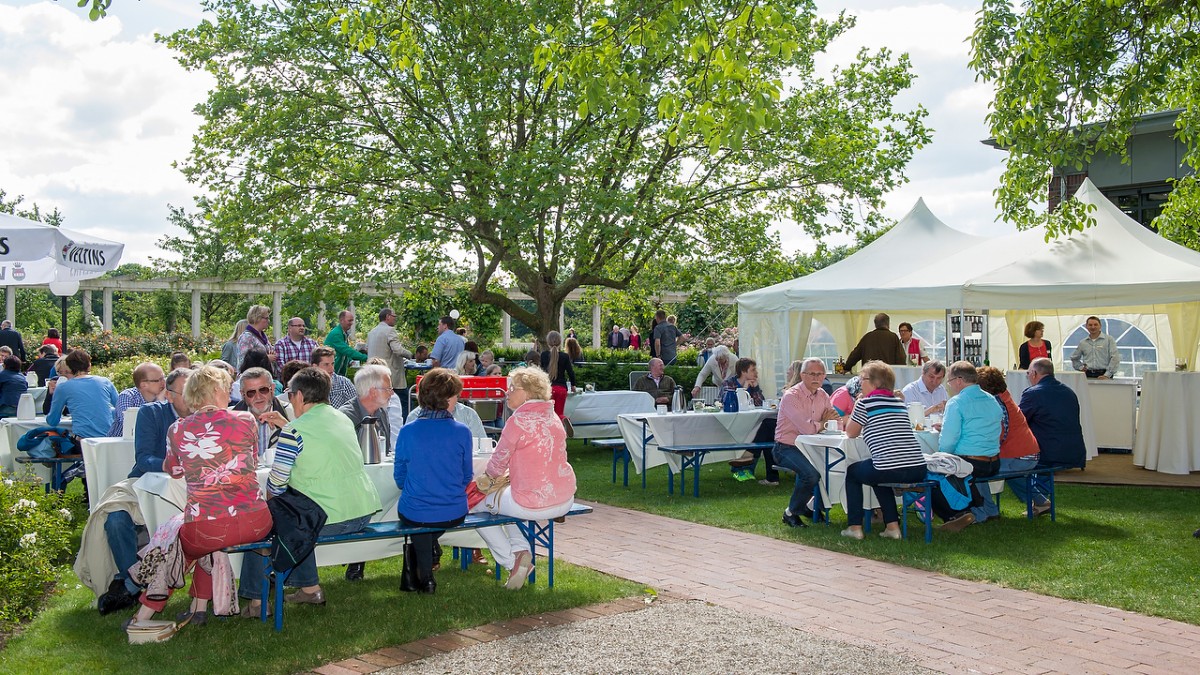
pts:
[63, 333]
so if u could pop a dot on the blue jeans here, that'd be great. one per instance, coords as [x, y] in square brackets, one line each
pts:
[990, 508]
[807, 477]
[304, 574]
[122, 537]
[1041, 488]
[863, 473]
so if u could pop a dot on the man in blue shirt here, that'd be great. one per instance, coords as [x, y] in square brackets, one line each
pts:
[448, 345]
[971, 429]
[150, 449]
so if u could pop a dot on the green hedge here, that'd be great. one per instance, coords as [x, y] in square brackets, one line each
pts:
[35, 539]
[106, 348]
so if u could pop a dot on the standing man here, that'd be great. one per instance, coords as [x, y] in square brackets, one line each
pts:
[448, 345]
[913, 347]
[295, 346]
[12, 339]
[258, 398]
[971, 430]
[803, 410]
[341, 390]
[659, 385]
[880, 344]
[666, 338]
[373, 384]
[615, 339]
[1097, 354]
[1052, 410]
[384, 343]
[339, 340]
[148, 385]
[928, 389]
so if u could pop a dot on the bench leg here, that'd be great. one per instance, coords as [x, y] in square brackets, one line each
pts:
[928, 492]
[627, 458]
[670, 480]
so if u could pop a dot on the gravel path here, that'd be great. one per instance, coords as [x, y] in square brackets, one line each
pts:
[691, 637]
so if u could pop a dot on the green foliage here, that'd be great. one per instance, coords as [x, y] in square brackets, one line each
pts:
[560, 144]
[35, 537]
[1071, 78]
[120, 371]
[14, 206]
[106, 348]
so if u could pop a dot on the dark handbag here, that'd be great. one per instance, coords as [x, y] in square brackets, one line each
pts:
[297, 521]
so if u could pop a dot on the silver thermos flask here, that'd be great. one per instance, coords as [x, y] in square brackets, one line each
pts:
[368, 441]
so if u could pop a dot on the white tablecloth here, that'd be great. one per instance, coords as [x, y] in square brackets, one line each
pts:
[605, 406]
[39, 397]
[106, 462]
[11, 430]
[1168, 433]
[1018, 382]
[687, 429]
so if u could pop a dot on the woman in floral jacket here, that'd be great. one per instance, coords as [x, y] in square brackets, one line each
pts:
[214, 450]
[533, 452]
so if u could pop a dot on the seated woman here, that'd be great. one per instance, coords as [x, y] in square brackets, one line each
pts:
[317, 455]
[843, 397]
[533, 451]
[214, 450]
[574, 351]
[1019, 449]
[467, 363]
[90, 398]
[882, 420]
[12, 384]
[433, 469]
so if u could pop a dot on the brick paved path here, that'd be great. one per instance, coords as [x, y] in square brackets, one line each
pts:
[946, 624]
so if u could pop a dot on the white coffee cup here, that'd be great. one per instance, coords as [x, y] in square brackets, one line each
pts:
[661, 409]
[831, 425]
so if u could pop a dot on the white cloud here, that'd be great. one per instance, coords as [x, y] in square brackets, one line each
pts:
[96, 116]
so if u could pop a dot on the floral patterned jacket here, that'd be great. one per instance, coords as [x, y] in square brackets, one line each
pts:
[215, 452]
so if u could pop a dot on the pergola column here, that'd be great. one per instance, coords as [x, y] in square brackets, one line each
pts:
[596, 326]
[195, 314]
[10, 305]
[87, 306]
[562, 317]
[505, 329]
[276, 308]
[320, 327]
[107, 315]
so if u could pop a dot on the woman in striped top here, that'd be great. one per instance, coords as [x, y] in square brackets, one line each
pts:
[882, 420]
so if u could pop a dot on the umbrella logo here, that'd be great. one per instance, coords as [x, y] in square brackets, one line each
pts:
[82, 255]
[18, 272]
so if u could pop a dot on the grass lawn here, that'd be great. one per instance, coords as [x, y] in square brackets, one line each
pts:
[70, 636]
[1125, 547]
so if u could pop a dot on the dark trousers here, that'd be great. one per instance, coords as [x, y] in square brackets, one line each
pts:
[423, 543]
[863, 473]
[981, 469]
[403, 394]
[807, 477]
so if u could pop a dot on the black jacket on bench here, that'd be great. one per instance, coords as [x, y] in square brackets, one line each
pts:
[297, 523]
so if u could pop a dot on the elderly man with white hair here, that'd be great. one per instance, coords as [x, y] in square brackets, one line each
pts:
[374, 386]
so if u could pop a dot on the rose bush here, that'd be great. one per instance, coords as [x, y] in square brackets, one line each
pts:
[35, 538]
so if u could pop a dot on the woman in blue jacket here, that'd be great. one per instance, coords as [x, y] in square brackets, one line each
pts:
[433, 468]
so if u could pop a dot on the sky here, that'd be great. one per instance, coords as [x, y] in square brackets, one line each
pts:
[94, 114]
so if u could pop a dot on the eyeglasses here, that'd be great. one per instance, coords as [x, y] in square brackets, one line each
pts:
[172, 391]
[513, 389]
[813, 374]
[262, 391]
[155, 380]
[295, 325]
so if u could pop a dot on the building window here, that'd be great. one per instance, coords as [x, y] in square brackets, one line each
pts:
[1062, 186]
[1143, 204]
[822, 346]
[1138, 352]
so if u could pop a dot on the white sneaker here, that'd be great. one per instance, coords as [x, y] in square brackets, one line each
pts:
[520, 571]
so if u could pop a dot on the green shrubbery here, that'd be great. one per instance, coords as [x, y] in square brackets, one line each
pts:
[120, 371]
[35, 537]
[106, 348]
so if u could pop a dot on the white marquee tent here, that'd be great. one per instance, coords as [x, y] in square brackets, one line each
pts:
[921, 268]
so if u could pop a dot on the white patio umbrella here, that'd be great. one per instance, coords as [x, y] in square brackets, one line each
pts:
[36, 254]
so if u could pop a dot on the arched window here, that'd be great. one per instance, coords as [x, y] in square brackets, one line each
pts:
[821, 345]
[1138, 352]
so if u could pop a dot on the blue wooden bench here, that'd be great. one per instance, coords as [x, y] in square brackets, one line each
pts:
[619, 453]
[692, 456]
[57, 469]
[534, 532]
[923, 509]
[1028, 476]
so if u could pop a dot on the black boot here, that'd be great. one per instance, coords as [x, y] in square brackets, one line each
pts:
[355, 571]
[408, 573]
[437, 555]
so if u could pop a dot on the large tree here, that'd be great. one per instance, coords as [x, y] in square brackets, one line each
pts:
[1071, 79]
[555, 143]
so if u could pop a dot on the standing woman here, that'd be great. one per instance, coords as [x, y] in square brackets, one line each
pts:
[215, 452]
[882, 420]
[533, 452]
[635, 340]
[1035, 347]
[229, 350]
[574, 351]
[433, 469]
[52, 338]
[557, 365]
[258, 319]
[719, 367]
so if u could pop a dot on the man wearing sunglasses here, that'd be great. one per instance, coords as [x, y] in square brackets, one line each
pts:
[258, 398]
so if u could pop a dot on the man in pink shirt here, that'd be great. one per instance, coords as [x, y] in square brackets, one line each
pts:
[803, 410]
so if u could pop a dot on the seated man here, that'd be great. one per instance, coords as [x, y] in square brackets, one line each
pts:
[258, 398]
[971, 430]
[147, 386]
[803, 410]
[1052, 410]
[373, 383]
[928, 388]
[660, 386]
[318, 456]
[745, 376]
[341, 389]
[44, 365]
[150, 448]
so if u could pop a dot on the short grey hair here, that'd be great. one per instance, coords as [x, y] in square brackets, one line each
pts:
[385, 313]
[934, 366]
[371, 377]
[176, 374]
[813, 360]
[720, 351]
[255, 374]
[1043, 366]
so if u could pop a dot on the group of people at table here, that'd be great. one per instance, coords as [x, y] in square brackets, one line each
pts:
[311, 454]
[981, 424]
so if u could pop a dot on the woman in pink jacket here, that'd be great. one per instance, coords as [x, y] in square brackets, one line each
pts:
[533, 452]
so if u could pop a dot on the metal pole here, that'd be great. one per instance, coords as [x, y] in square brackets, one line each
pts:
[63, 334]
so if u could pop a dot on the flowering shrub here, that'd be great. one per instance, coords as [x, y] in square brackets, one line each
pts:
[120, 371]
[105, 347]
[35, 537]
